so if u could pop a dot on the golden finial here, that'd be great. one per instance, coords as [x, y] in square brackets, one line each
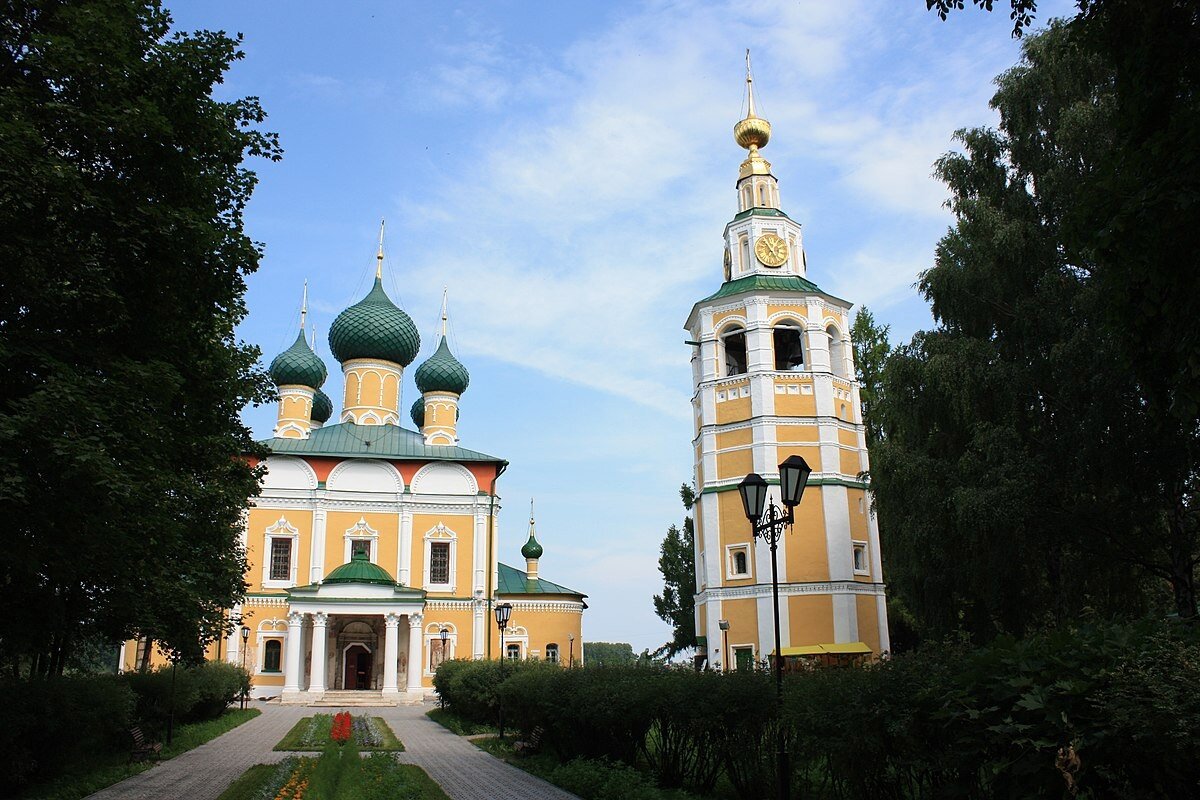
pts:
[752, 132]
[304, 305]
[444, 317]
[531, 513]
[379, 255]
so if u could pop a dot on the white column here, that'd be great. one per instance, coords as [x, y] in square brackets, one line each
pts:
[294, 666]
[415, 665]
[317, 554]
[391, 642]
[404, 557]
[319, 641]
[478, 628]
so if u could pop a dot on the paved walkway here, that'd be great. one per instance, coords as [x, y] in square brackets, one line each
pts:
[464, 771]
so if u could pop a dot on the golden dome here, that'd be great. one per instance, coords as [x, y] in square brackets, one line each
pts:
[752, 132]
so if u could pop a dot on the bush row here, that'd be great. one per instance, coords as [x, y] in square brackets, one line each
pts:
[47, 724]
[1111, 710]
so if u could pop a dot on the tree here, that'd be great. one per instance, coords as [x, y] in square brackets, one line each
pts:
[871, 350]
[122, 188]
[677, 563]
[601, 654]
[1026, 472]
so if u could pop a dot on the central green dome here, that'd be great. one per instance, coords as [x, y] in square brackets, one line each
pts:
[360, 570]
[374, 328]
[298, 366]
[442, 372]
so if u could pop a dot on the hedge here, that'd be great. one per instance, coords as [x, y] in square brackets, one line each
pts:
[949, 721]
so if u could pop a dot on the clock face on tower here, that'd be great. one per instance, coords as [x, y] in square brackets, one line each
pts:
[771, 250]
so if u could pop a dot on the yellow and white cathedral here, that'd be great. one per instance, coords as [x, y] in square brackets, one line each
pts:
[773, 375]
[373, 549]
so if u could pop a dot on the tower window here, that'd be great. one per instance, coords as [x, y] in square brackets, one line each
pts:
[552, 653]
[739, 561]
[860, 559]
[281, 559]
[837, 355]
[789, 349]
[735, 352]
[272, 655]
[439, 562]
[744, 253]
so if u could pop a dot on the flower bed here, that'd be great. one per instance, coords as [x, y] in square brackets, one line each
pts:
[313, 733]
[339, 774]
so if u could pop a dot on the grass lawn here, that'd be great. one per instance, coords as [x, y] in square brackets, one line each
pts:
[312, 733]
[105, 769]
[377, 777]
[456, 724]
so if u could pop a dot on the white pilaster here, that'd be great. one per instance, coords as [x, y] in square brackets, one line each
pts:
[318, 666]
[317, 557]
[478, 627]
[293, 668]
[479, 552]
[415, 664]
[404, 558]
[391, 642]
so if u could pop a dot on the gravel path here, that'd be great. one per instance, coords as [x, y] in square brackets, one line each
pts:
[463, 770]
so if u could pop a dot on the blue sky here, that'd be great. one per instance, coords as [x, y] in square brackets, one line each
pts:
[566, 170]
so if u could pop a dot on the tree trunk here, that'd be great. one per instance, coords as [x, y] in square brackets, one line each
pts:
[1183, 574]
[145, 665]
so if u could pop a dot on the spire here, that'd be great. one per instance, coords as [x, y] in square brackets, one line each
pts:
[532, 551]
[379, 255]
[313, 343]
[752, 132]
[749, 86]
[444, 293]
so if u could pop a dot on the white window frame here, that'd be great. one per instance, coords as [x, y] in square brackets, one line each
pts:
[433, 633]
[557, 653]
[518, 636]
[730, 549]
[733, 648]
[270, 629]
[440, 533]
[361, 532]
[280, 530]
[856, 545]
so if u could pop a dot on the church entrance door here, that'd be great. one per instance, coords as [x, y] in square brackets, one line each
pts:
[357, 667]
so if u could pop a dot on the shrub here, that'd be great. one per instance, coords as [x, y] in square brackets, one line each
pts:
[602, 780]
[156, 697]
[46, 724]
[217, 685]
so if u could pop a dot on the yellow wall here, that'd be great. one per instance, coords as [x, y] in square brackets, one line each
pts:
[742, 614]
[736, 438]
[258, 521]
[810, 619]
[338, 522]
[868, 622]
[735, 463]
[463, 526]
[807, 552]
[796, 433]
[733, 410]
[795, 405]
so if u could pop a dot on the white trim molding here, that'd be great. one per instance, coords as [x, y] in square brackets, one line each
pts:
[282, 529]
[441, 534]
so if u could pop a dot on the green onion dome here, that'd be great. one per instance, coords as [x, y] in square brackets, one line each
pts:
[360, 570]
[532, 549]
[322, 408]
[374, 328]
[418, 413]
[442, 372]
[298, 366]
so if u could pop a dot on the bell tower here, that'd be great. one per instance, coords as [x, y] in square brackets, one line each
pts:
[773, 376]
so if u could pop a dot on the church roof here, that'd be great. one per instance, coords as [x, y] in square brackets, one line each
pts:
[348, 440]
[514, 581]
[374, 327]
[360, 570]
[768, 283]
[442, 372]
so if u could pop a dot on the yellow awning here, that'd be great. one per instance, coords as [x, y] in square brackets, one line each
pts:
[839, 649]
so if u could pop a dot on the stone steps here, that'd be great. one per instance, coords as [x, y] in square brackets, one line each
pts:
[352, 698]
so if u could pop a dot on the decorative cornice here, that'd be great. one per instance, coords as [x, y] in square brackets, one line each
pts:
[764, 590]
[565, 606]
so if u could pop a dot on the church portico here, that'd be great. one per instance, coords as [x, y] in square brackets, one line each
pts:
[345, 634]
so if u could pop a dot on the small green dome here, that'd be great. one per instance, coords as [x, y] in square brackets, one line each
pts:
[442, 372]
[360, 570]
[532, 549]
[298, 366]
[418, 413]
[322, 408]
[374, 328]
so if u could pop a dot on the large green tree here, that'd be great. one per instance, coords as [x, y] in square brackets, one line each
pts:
[1026, 471]
[122, 189]
[677, 562]
[871, 349]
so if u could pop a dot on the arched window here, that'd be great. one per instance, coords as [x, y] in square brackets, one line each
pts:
[837, 352]
[735, 351]
[746, 199]
[272, 655]
[739, 563]
[789, 346]
[762, 195]
[552, 653]
[744, 253]
[514, 652]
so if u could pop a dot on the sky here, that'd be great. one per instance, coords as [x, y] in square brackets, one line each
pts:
[564, 170]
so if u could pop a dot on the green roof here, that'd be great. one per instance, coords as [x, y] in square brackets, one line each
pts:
[298, 366]
[374, 328]
[360, 570]
[372, 441]
[764, 283]
[442, 372]
[758, 212]
[532, 548]
[513, 581]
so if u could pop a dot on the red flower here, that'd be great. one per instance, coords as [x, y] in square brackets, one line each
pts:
[340, 731]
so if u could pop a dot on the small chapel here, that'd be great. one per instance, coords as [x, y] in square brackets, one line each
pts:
[374, 549]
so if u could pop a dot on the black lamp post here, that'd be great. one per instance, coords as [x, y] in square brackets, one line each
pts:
[245, 639]
[571, 640]
[726, 661]
[443, 634]
[793, 477]
[503, 614]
